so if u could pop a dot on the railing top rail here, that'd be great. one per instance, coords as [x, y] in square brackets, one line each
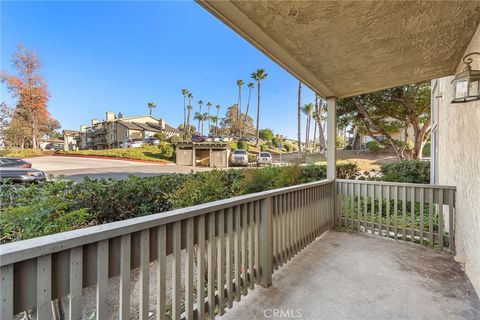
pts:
[31, 248]
[398, 184]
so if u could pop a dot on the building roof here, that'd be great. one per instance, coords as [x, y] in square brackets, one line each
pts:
[167, 127]
[70, 132]
[345, 48]
[134, 117]
[149, 126]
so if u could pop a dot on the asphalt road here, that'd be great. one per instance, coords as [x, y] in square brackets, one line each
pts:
[73, 168]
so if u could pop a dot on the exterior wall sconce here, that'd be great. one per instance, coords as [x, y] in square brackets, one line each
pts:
[466, 84]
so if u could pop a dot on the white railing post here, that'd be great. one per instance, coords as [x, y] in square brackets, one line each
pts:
[266, 242]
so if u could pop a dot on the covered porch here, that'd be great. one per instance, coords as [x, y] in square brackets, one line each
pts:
[348, 275]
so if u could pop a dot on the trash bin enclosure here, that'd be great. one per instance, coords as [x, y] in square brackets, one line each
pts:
[204, 154]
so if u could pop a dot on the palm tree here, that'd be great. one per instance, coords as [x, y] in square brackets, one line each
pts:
[190, 97]
[314, 116]
[299, 117]
[258, 76]
[200, 103]
[240, 84]
[184, 93]
[215, 121]
[250, 86]
[198, 116]
[189, 107]
[201, 117]
[307, 110]
[151, 106]
[209, 104]
[321, 127]
[218, 110]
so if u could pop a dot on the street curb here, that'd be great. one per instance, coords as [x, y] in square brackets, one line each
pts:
[160, 162]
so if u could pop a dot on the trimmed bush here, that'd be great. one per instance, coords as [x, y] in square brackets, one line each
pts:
[242, 145]
[372, 146]
[28, 211]
[263, 147]
[340, 142]
[288, 147]
[411, 171]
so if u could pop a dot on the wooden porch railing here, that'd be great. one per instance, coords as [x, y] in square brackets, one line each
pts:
[226, 247]
[421, 213]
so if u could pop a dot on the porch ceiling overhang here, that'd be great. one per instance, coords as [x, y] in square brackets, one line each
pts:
[345, 48]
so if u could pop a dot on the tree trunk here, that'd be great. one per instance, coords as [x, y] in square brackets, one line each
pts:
[314, 132]
[299, 120]
[199, 120]
[258, 112]
[34, 133]
[246, 111]
[421, 136]
[239, 111]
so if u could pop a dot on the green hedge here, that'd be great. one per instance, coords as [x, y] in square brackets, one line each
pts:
[29, 211]
[412, 171]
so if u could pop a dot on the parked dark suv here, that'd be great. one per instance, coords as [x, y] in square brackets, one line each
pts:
[14, 163]
[22, 175]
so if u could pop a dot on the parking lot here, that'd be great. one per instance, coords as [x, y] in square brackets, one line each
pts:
[77, 168]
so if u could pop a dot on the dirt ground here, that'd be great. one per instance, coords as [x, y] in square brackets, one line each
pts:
[365, 160]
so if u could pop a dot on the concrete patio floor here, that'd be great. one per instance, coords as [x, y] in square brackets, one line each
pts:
[346, 275]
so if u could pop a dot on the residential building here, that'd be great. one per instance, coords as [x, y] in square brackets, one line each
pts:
[70, 139]
[455, 152]
[113, 131]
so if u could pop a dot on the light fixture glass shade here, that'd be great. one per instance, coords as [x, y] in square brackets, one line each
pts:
[466, 84]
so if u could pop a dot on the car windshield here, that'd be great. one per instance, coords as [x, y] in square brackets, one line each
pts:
[265, 155]
[240, 152]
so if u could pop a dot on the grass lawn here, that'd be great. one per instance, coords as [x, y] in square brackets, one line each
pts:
[152, 153]
[25, 153]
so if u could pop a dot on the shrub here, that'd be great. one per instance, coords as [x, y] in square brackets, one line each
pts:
[167, 150]
[263, 147]
[340, 142]
[412, 171]
[347, 171]
[372, 146]
[288, 147]
[33, 211]
[312, 173]
[175, 139]
[200, 188]
[426, 149]
[29, 211]
[409, 145]
[160, 136]
[242, 145]
[265, 134]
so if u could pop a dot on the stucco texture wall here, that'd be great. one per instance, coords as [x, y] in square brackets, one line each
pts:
[459, 165]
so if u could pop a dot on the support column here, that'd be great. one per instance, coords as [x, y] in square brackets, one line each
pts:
[266, 242]
[193, 156]
[331, 138]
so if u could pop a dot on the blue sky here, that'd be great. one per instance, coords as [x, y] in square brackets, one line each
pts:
[117, 56]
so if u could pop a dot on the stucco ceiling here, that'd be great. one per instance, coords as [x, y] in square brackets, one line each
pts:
[344, 48]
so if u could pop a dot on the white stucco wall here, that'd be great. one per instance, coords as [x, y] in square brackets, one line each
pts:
[459, 164]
